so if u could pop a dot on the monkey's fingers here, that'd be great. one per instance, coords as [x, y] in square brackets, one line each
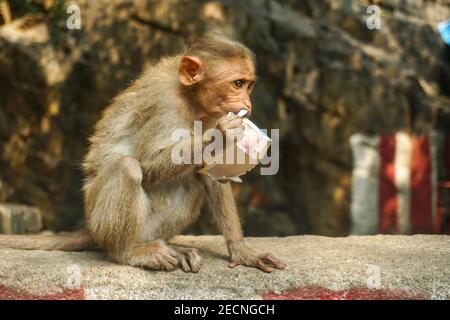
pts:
[223, 122]
[167, 262]
[235, 133]
[261, 265]
[184, 264]
[229, 122]
[195, 261]
[190, 260]
[258, 263]
[234, 123]
[273, 262]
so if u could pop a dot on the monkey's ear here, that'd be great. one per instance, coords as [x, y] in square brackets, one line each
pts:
[191, 70]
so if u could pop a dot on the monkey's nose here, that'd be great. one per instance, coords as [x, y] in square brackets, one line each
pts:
[248, 107]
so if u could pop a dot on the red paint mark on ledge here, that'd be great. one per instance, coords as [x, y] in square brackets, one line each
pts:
[321, 293]
[16, 294]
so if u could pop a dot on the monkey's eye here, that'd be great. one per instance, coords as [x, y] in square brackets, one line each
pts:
[238, 83]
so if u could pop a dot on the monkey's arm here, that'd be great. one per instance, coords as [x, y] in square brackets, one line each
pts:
[221, 202]
[158, 165]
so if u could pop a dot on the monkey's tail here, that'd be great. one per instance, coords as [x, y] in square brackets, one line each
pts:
[74, 241]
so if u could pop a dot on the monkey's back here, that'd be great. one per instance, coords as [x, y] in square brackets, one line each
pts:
[138, 124]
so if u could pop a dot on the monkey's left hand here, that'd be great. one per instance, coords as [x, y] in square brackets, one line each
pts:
[241, 254]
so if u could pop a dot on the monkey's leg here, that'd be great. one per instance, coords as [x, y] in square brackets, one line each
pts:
[221, 203]
[116, 206]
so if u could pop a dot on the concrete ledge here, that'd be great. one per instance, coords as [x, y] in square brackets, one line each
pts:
[17, 218]
[318, 267]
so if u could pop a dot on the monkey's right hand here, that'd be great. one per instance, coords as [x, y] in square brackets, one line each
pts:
[231, 126]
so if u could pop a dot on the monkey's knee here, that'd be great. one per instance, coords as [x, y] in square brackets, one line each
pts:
[131, 168]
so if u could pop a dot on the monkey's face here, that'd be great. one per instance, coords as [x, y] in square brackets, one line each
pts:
[229, 88]
[223, 87]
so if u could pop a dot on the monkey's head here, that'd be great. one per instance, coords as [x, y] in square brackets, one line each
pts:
[219, 74]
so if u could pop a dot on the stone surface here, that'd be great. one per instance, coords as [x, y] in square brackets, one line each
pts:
[323, 75]
[17, 219]
[410, 266]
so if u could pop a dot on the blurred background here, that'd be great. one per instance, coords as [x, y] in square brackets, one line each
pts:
[363, 112]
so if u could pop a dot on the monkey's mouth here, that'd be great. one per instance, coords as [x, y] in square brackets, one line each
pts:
[239, 107]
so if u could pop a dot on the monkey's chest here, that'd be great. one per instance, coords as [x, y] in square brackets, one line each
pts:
[171, 208]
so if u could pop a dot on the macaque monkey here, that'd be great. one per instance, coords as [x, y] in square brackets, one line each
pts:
[136, 198]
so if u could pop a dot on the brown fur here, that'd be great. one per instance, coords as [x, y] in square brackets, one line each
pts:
[136, 198]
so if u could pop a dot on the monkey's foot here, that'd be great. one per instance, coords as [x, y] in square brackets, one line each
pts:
[241, 254]
[189, 259]
[156, 255]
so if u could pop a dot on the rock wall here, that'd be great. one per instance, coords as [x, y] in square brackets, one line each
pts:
[323, 75]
